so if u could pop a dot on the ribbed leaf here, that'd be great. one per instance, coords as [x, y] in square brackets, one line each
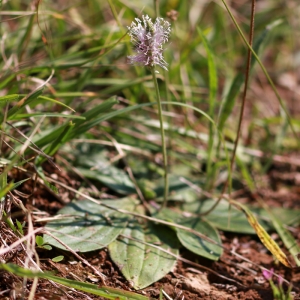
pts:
[142, 264]
[86, 226]
[234, 220]
[197, 244]
[96, 166]
[191, 241]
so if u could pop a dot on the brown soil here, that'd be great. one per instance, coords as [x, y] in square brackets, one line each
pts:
[239, 279]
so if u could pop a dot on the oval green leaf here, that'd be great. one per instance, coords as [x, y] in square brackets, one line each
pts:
[197, 244]
[96, 166]
[87, 226]
[58, 258]
[143, 264]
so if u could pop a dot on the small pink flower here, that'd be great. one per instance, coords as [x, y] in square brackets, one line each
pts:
[268, 274]
[280, 280]
[148, 39]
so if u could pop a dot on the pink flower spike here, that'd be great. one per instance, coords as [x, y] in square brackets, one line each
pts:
[268, 274]
[148, 39]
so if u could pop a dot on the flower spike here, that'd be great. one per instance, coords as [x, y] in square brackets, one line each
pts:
[148, 39]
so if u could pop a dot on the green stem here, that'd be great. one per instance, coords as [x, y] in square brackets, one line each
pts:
[156, 7]
[163, 142]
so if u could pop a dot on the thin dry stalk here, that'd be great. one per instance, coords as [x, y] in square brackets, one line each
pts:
[248, 67]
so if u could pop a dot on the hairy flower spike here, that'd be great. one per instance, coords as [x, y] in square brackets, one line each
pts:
[148, 39]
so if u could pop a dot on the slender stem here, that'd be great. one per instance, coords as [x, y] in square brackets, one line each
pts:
[248, 67]
[281, 102]
[156, 7]
[163, 142]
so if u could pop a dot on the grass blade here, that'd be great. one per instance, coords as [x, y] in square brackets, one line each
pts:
[213, 85]
[105, 292]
